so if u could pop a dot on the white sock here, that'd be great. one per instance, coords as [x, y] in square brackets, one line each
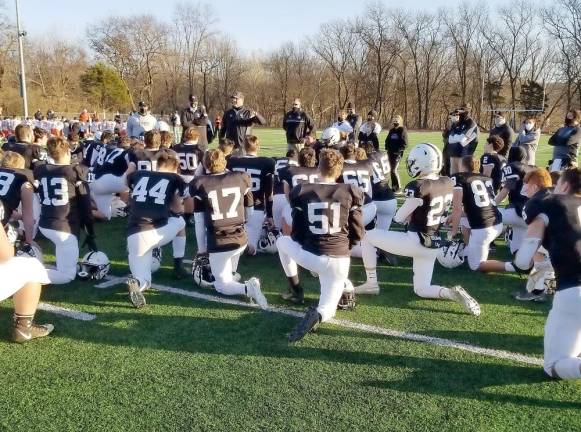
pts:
[509, 267]
[371, 276]
[447, 293]
[178, 245]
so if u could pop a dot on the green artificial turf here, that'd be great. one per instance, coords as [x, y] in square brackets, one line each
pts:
[183, 364]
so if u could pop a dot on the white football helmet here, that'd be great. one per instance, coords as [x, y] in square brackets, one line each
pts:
[424, 159]
[94, 265]
[267, 241]
[156, 257]
[25, 249]
[201, 271]
[118, 208]
[331, 135]
[452, 255]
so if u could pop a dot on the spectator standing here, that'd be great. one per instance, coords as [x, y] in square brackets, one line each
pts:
[565, 142]
[528, 138]
[463, 138]
[297, 125]
[395, 144]
[502, 129]
[369, 131]
[342, 124]
[83, 116]
[141, 122]
[196, 115]
[354, 120]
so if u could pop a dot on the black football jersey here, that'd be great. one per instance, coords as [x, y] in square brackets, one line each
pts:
[436, 196]
[261, 172]
[116, 162]
[562, 216]
[513, 178]
[152, 193]
[379, 161]
[223, 199]
[359, 174]
[279, 164]
[478, 199]
[11, 181]
[33, 154]
[190, 156]
[327, 217]
[294, 175]
[94, 153]
[498, 162]
[56, 186]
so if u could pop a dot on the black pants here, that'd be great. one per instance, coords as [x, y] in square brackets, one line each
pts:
[394, 159]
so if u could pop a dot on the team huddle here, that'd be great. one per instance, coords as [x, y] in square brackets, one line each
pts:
[316, 208]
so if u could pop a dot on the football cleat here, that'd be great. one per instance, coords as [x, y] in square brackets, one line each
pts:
[536, 295]
[294, 296]
[308, 324]
[451, 255]
[135, 294]
[156, 256]
[466, 300]
[254, 293]
[24, 330]
[28, 250]
[202, 273]
[94, 265]
[368, 288]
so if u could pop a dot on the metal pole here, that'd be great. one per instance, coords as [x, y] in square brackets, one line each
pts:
[21, 35]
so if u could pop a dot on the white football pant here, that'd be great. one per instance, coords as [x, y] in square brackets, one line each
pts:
[333, 272]
[385, 212]
[479, 244]
[103, 190]
[36, 207]
[405, 244]
[279, 202]
[518, 225]
[142, 243]
[368, 212]
[17, 272]
[254, 227]
[67, 254]
[563, 335]
[223, 264]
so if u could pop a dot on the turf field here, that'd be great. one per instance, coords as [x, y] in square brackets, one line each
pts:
[186, 364]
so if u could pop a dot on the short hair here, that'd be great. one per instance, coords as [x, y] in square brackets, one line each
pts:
[23, 133]
[471, 163]
[12, 159]
[57, 147]
[348, 151]
[291, 153]
[167, 158]
[152, 139]
[107, 136]
[251, 143]
[496, 141]
[74, 137]
[166, 139]
[367, 146]
[191, 134]
[307, 157]
[572, 177]
[540, 177]
[360, 154]
[39, 133]
[137, 144]
[343, 135]
[226, 146]
[576, 114]
[215, 161]
[331, 163]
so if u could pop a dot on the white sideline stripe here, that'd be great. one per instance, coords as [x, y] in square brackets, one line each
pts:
[448, 343]
[69, 313]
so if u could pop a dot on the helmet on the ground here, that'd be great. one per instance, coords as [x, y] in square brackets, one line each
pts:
[267, 241]
[424, 159]
[347, 300]
[94, 265]
[331, 135]
[201, 271]
[118, 208]
[451, 255]
[156, 256]
[25, 249]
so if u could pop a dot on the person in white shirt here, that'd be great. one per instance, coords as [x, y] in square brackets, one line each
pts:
[141, 122]
[342, 124]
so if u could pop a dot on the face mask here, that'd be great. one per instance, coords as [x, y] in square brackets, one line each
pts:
[340, 119]
[568, 121]
[499, 121]
[142, 110]
[369, 119]
[454, 119]
[395, 124]
[528, 127]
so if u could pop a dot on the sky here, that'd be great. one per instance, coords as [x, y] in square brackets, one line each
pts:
[256, 25]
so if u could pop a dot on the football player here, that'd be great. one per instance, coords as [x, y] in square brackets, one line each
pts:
[555, 223]
[279, 200]
[491, 162]
[261, 172]
[21, 279]
[146, 159]
[223, 201]
[327, 221]
[474, 195]
[383, 196]
[65, 208]
[427, 199]
[33, 154]
[329, 139]
[154, 219]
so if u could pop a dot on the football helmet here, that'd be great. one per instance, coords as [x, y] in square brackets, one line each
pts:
[25, 249]
[118, 208]
[424, 159]
[201, 271]
[347, 300]
[267, 241]
[156, 257]
[94, 265]
[452, 255]
[331, 135]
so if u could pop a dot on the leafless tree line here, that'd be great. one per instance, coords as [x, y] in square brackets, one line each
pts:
[396, 61]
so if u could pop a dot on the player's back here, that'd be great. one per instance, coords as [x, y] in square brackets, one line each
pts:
[280, 164]
[513, 178]
[11, 181]
[294, 175]
[145, 159]
[478, 199]
[190, 156]
[497, 162]
[116, 162]
[358, 173]
[436, 195]
[261, 172]
[379, 161]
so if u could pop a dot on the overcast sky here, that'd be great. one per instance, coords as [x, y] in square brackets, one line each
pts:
[254, 24]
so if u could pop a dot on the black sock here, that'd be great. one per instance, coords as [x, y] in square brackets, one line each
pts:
[294, 283]
[177, 262]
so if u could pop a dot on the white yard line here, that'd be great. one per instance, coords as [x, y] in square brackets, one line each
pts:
[69, 313]
[448, 343]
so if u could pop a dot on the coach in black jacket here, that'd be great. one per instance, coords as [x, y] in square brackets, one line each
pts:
[503, 130]
[237, 121]
[196, 115]
[297, 125]
[395, 144]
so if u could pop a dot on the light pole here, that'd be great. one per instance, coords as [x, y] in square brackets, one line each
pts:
[21, 35]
